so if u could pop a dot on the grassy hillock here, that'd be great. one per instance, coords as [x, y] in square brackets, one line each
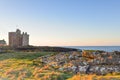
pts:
[20, 66]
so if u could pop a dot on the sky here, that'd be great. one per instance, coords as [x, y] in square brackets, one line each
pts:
[63, 22]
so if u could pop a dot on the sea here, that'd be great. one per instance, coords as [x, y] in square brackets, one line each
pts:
[103, 48]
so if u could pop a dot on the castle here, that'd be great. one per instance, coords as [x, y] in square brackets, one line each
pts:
[16, 39]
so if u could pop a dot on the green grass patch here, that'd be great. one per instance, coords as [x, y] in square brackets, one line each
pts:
[23, 55]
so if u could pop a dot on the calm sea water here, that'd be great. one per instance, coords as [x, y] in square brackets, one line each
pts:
[104, 48]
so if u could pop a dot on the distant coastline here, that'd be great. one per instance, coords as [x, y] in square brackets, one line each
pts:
[104, 48]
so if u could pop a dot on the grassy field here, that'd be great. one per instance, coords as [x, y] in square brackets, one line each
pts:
[19, 66]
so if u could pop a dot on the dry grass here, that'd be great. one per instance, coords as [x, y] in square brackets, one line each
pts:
[19, 66]
[94, 77]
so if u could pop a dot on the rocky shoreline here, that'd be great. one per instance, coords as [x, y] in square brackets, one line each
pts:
[85, 62]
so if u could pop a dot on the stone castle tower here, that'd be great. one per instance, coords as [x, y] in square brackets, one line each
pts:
[25, 39]
[16, 39]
